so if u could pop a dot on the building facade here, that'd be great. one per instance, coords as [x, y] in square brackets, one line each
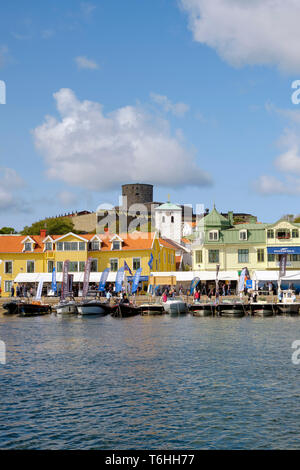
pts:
[25, 258]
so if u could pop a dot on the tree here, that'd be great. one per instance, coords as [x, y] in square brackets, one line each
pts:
[55, 226]
[7, 230]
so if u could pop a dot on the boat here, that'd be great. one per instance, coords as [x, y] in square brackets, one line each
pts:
[262, 308]
[199, 309]
[93, 307]
[175, 306]
[12, 308]
[124, 310]
[33, 309]
[288, 304]
[235, 309]
[66, 307]
[152, 309]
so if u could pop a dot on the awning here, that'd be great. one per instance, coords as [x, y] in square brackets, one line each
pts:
[281, 250]
[265, 276]
[36, 277]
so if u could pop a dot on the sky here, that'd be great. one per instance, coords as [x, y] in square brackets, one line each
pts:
[193, 96]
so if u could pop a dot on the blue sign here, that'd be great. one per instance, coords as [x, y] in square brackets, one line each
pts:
[120, 279]
[136, 280]
[142, 278]
[53, 285]
[249, 284]
[103, 280]
[282, 250]
[194, 284]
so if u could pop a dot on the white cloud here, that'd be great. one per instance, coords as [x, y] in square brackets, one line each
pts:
[99, 152]
[270, 185]
[85, 63]
[67, 198]
[245, 32]
[178, 109]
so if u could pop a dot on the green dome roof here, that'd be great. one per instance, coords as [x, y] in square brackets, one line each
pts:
[168, 206]
[215, 219]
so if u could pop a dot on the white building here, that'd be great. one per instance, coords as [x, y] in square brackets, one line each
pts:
[168, 221]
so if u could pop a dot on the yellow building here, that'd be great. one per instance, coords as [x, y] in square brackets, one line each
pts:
[24, 259]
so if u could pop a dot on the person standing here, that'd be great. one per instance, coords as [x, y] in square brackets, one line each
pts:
[12, 291]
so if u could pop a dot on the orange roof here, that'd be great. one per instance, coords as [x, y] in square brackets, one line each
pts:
[186, 240]
[168, 244]
[131, 241]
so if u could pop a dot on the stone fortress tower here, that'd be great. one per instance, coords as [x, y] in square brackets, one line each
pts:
[137, 193]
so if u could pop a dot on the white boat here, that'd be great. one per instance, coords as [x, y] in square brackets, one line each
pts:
[66, 307]
[175, 306]
[93, 307]
[288, 304]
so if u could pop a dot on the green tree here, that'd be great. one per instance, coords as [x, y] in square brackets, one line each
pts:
[55, 226]
[7, 230]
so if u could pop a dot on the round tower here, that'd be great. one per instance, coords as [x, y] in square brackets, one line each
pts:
[137, 193]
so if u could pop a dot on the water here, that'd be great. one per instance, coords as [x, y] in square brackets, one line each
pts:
[149, 383]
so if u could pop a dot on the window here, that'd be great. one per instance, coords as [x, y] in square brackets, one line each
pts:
[136, 263]
[59, 266]
[295, 257]
[243, 234]
[295, 233]
[213, 256]
[48, 246]
[270, 233]
[7, 286]
[73, 266]
[28, 246]
[116, 245]
[95, 246]
[94, 266]
[243, 256]
[8, 267]
[50, 266]
[271, 257]
[114, 264]
[260, 255]
[172, 219]
[30, 266]
[198, 256]
[81, 266]
[213, 235]
[283, 234]
[163, 219]
[59, 246]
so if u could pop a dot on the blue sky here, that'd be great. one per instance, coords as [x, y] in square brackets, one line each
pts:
[193, 96]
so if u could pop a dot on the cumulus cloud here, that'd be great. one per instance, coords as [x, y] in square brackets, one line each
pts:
[178, 109]
[85, 63]
[10, 183]
[67, 198]
[252, 32]
[95, 151]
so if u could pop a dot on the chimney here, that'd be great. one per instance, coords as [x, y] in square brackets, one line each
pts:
[43, 233]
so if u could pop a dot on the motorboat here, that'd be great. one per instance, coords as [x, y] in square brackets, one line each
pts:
[33, 309]
[12, 308]
[175, 306]
[66, 307]
[288, 304]
[262, 308]
[152, 309]
[124, 310]
[93, 307]
[202, 309]
[234, 309]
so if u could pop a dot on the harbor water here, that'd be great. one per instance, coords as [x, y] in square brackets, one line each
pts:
[149, 383]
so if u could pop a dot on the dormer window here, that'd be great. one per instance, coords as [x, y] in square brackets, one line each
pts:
[48, 246]
[243, 235]
[28, 246]
[95, 245]
[213, 235]
[116, 245]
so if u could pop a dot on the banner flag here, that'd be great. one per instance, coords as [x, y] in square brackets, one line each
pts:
[136, 280]
[127, 268]
[64, 287]
[54, 285]
[70, 284]
[242, 280]
[194, 284]
[103, 280]
[119, 279]
[150, 262]
[282, 265]
[86, 277]
[39, 290]
[217, 278]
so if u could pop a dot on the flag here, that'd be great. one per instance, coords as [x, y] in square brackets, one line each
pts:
[103, 280]
[39, 290]
[64, 286]
[217, 278]
[54, 285]
[86, 277]
[127, 268]
[150, 262]
[70, 283]
[243, 277]
[119, 279]
[282, 265]
[194, 284]
[136, 280]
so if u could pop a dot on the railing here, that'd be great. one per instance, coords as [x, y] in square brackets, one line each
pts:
[283, 237]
